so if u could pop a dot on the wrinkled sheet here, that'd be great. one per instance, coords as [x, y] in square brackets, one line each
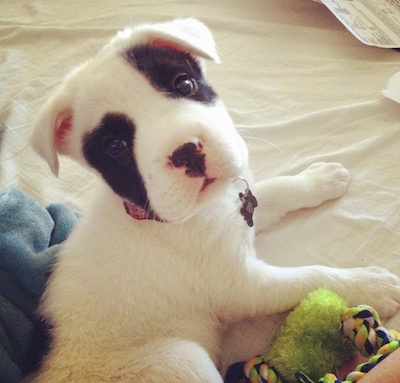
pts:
[298, 85]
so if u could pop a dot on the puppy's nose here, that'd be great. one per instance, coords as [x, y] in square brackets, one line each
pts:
[192, 157]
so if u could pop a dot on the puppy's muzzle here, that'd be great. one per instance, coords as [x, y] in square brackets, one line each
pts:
[191, 156]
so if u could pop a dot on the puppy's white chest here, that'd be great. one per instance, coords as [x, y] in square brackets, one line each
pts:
[131, 277]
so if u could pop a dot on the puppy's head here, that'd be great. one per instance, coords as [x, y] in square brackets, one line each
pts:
[142, 114]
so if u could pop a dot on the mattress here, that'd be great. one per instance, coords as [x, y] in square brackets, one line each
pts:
[298, 85]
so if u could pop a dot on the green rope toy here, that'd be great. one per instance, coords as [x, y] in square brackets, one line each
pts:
[319, 335]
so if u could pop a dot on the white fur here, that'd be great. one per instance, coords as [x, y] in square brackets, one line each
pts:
[145, 301]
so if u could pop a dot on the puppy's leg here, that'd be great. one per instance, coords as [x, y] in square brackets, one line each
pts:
[317, 183]
[172, 361]
[164, 360]
[268, 289]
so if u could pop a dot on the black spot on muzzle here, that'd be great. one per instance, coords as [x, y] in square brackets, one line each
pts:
[190, 155]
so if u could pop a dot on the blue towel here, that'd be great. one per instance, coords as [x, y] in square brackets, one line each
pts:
[30, 237]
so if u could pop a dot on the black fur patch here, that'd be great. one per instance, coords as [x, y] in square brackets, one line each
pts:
[175, 73]
[109, 149]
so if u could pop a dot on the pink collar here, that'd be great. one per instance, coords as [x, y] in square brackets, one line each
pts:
[136, 211]
[249, 203]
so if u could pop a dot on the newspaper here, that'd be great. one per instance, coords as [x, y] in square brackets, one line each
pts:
[374, 22]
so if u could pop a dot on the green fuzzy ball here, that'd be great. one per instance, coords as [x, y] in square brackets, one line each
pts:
[311, 340]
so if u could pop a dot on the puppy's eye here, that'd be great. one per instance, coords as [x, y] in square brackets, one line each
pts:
[115, 146]
[184, 85]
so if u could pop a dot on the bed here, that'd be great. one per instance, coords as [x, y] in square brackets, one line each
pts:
[299, 86]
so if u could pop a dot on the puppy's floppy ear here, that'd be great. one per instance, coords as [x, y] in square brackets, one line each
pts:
[52, 126]
[184, 34]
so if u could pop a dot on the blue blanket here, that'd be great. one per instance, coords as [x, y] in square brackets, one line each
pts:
[30, 236]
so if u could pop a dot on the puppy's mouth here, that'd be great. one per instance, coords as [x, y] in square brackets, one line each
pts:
[207, 182]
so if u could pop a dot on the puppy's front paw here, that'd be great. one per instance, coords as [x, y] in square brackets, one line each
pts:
[376, 287]
[325, 181]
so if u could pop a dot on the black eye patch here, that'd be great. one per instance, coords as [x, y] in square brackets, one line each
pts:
[175, 73]
[109, 149]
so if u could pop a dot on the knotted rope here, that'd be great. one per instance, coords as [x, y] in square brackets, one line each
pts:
[257, 371]
[362, 326]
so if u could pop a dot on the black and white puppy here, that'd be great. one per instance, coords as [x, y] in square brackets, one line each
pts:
[165, 256]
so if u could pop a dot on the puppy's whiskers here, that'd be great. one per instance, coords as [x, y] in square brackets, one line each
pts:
[246, 136]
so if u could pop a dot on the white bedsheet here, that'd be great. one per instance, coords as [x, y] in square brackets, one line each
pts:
[298, 85]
